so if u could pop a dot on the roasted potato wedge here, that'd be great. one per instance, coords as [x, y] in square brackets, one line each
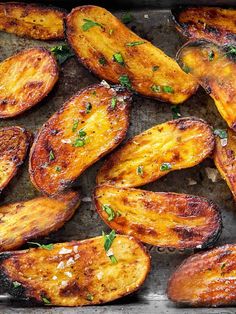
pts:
[206, 279]
[215, 69]
[113, 52]
[35, 218]
[225, 160]
[88, 126]
[173, 145]
[14, 142]
[25, 79]
[162, 219]
[76, 273]
[210, 23]
[33, 21]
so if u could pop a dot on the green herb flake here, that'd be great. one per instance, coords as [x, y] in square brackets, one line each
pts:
[75, 125]
[111, 31]
[231, 51]
[113, 102]
[88, 107]
[155, 68]
[185, 68]
[176, 112]
[222, 266]
[89, 297]
[135, 43]
[139, 170]
[165, 166]
[82, 133]
[211, 55]
[156, 88]
[89, 24]
[51, 156]
[113, 259]
[125, 81]
[110, 212]
[79, 142]
[62, 53]
[221, 133]
[48, 247]
[168, 89]
[58, 169]
[127, 18]
[102, 61]
[16, 284]
[108, 239]
[117, 57]
[45, 300]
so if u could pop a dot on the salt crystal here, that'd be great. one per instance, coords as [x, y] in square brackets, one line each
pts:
[68, 274]
[70, 261]
[61, 265]
[64, 283]
[75, 248]
[54, 277]
[77, 256]
[64, 251]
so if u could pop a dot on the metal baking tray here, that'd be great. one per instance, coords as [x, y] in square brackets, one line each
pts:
[152, 21]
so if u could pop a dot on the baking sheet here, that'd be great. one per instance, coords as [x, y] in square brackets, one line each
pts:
[157, 27]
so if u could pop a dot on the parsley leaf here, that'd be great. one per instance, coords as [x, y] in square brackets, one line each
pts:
[221, 133]
[75, 125]
[82, 133]
[62, 53]
[139, 170]
[156, 88]
[48, 247]
[88, 107]
[45, 300]
[16, 284]
[124, 81]
[127, 17]
[155, 68]
[135, 43]
[113, 102]
[117, 57]
[168, 89]
[176, 112]
[79, 142]
[51, 156]
[58, 169]
[165, 166]
[89, 24]
[89, 297]
[110, 212]
[211, 55]
[185, 68]
[102, 61]
[231, 51]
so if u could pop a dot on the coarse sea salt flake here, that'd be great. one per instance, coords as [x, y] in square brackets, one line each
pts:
[75, 248]
[64, 251]
[64, 283]
[54, 277]
[68, 274]
[70, 261]
[77, 256]
[61, 265]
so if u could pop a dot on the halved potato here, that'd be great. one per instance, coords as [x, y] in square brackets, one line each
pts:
[161, 219]
[173, 145]
[211, 23]
[225, 160]
[25, 79]
[14, 143]
[35, 218]
[88, 126]
[206, 279]
[113, 52]
[31, 20]
[75, 273]
[214, 67]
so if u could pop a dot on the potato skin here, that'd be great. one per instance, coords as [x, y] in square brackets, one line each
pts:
[105, 128]
[205, 279]
[90, 279]
[25, 79]
[14, 143]
[210, 23]
[214, 68]
[225, 160]
[182, 143]
[31, 20]
[99, 43]
[163, 219]
[22, 221]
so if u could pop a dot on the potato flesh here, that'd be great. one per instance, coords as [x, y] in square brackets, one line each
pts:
[225, 160]
[22, 221]
[104, 127]
[113, 37]
[82, 276]
[211, 23]
[180, 143]
[206, 279]
[32, 21]
[161, 219]
[215, 72]
[25, 79]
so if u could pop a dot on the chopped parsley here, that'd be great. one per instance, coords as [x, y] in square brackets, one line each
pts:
[221, 133]
[94, 93]
[51, 156]
[117, 57]
[185, 68]
[89, 24]
[75, 125]
[89, 297]
[231, 51]
[48, 247]
[135, 43]
[156, 88]
[16, 284]
[88, 107]
[113, 102]
[155, 68]
[45, 300]
[110, 212]
[82, 133]
[165, 166]
[139, 170]
[211, 55]
[108, 240]
[124, 81]
[62, 53]
[176, 112]
[127, 17]
[79, 142]
[168, 89]
[58, 169]
[223, 266]
[102, 61]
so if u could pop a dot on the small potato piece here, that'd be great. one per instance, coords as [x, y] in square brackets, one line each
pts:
[35, 218]
[225, 160]
[162, 219]
[25, 79]
[88, 126]
[211, 23]
[113, 52]
[215, 68]
[33, 21]
[14, 143]
[76, 273]
[173, 145]
[206, 279]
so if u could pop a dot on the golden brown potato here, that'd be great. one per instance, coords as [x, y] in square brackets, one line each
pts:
[76, 273]
[225, 160]
[166, 147]
[211, 23]
[113, 52]
[35, 218]
[215, 69]
[88, 126]
[25, 79]
[161, 219]
[206, 279]
[14, 143]
[33, 21]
